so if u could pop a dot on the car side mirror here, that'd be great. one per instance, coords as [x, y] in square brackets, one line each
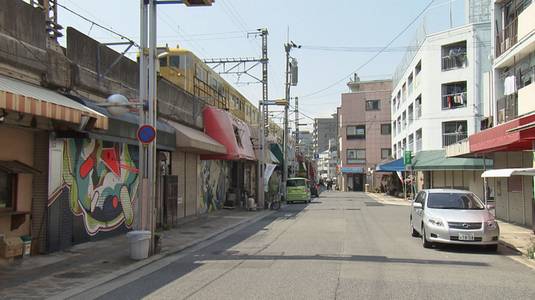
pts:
[490, 206]
[417, 205]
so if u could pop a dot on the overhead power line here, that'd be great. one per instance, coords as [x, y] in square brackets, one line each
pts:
[93, 23]
[376, 54]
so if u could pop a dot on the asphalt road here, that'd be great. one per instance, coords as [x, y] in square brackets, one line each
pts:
[341, 246]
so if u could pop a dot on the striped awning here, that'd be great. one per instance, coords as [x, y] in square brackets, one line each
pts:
[19, 96]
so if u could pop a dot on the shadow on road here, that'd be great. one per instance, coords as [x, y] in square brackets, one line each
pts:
[190, 262]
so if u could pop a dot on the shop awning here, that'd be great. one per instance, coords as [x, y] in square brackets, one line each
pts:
[17, 167]
[16, 95]
[192, 140]
[508, 172]
[436, 160]
[276, 150]
[352, 170]
[123, 128]
[234, 134]
[515, 135]
[391, 166]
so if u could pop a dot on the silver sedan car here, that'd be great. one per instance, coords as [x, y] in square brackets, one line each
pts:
[453, 217]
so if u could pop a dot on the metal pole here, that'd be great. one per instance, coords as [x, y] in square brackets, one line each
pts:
[140, 210]
[262, 121]
[287, 48]
[152, 118]
[296, 111]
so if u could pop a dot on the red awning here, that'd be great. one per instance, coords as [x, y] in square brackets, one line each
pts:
[510, 136]
[234, 134]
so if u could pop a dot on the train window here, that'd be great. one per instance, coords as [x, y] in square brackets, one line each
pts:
[163, 61]
[174, 61]
[200, 73]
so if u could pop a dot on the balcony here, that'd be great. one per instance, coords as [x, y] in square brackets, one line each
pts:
[418, 111]
[507, 108]
[418, 145]
[453, 138]
[454, 100]
[525, 98]
[457, 61]
[507, 37]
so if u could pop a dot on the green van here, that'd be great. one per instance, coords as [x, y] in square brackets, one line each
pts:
[297, 190]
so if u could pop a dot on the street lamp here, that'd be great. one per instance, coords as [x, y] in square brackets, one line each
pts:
[148, 92]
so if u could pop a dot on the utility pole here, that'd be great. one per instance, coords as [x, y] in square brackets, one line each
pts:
[296, 112]
[287, 47]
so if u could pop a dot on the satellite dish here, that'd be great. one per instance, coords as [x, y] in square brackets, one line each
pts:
[118, 105]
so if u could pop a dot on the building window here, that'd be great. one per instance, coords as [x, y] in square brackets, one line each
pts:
[356, 156]
[418, 68]
[373, 104]
[386, 153]
[454, 95]
[6, 190]
[454, 56]
[385, 129]
[453, 132]
[356, 132]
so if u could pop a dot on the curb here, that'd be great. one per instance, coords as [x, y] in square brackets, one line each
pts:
[138, 265]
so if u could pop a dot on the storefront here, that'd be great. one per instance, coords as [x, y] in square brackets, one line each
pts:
[28, 114]
[353, 179]
[510, 145]
[94, 180]
[227, 178]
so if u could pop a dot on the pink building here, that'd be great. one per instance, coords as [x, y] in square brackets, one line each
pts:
[364, 132]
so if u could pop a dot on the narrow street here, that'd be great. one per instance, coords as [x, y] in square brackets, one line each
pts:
[340, 246]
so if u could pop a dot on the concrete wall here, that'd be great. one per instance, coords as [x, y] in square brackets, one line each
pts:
[513, 206]
[21, 145]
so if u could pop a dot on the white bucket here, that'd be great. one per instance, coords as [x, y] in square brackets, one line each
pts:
[139, 242]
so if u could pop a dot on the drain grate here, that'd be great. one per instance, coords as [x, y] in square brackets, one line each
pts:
[373, 204]
[352, 208]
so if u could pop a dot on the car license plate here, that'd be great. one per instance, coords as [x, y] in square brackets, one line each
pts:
[466, 236]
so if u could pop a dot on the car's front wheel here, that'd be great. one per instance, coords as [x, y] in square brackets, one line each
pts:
[413, 231]
[425, 242]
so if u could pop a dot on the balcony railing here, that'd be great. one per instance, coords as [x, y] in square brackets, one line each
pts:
[456, 61]
[411, 118]
[454, 100]
[507, 108]
[452, 138]
[506, 38]
[410, 146]
[418, 111]
[418, 145]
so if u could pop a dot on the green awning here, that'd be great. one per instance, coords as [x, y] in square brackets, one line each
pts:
[436, 160]
[277, 151]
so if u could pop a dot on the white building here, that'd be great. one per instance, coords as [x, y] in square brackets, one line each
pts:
[440, 94]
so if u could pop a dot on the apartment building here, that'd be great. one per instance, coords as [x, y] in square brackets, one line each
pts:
[324, 129]
[364, 127]
[508, 129]
[439, 95]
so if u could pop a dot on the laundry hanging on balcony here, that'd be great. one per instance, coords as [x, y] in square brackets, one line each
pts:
[456, 100]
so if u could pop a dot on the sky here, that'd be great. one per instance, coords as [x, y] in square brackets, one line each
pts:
[359, 28]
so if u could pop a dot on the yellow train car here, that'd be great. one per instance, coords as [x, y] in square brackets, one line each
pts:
[186, 70]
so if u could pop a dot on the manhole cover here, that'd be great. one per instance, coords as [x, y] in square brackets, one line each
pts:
[71, 275]
[373, 204]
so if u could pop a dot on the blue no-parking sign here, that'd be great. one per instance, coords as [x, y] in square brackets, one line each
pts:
[146, 134]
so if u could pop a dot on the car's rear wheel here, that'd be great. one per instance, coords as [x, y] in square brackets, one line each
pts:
[425, 242]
